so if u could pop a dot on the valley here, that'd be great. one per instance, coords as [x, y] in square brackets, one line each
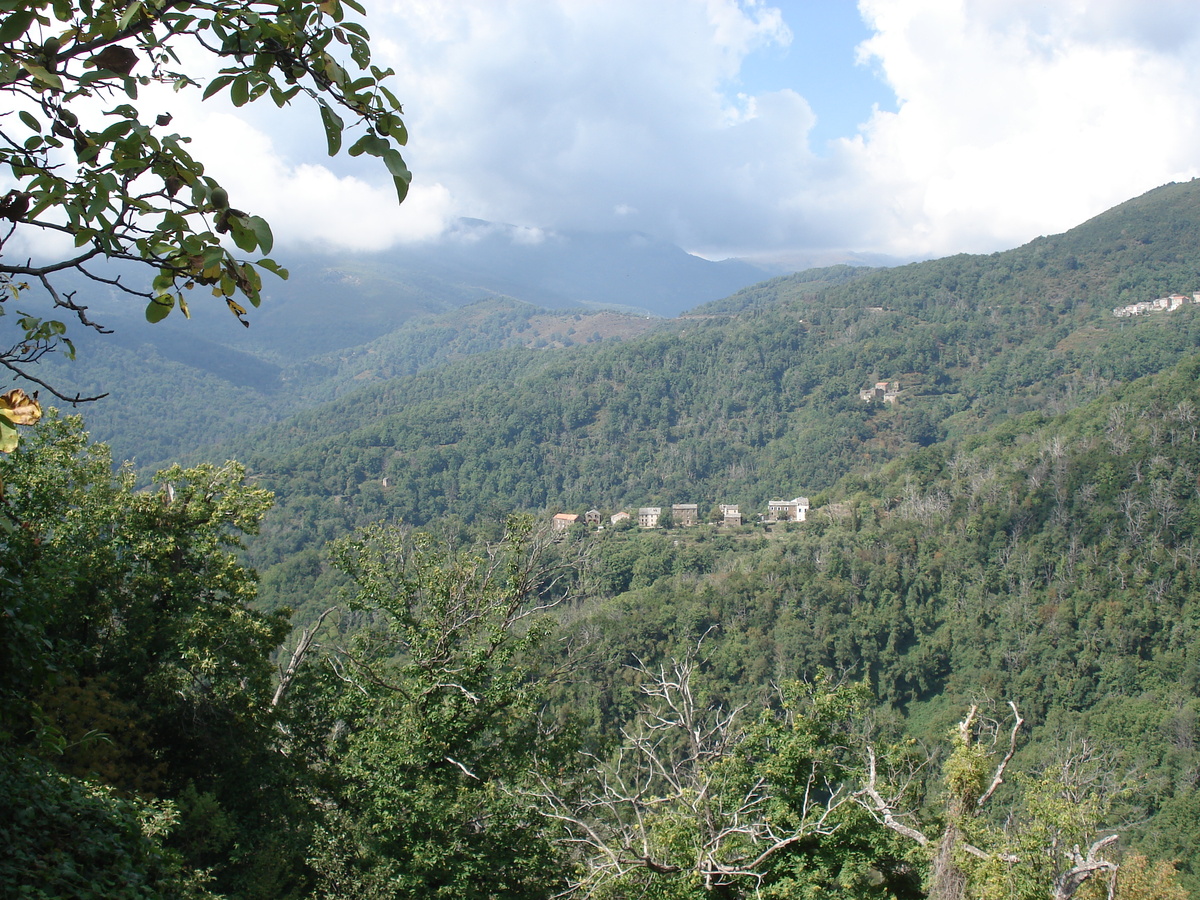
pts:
[996, 568]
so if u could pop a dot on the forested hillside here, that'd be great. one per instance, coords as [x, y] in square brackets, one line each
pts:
[739, 408]
[217, 391]
[338, 318]
[1051, 561]
[974, 671]
[1016, 526]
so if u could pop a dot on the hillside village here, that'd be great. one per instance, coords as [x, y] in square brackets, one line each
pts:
[883, 391]
[686, 515]
[1162, 304]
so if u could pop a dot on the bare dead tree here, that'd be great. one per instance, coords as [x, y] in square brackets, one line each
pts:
[303, 646]
[1084, 867]
[981, 736]
[682, 769]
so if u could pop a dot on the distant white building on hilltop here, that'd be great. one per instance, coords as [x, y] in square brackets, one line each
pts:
[1162, 304]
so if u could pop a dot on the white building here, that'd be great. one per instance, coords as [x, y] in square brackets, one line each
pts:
[788, 510]
[648, 516]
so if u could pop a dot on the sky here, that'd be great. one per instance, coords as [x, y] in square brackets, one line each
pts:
[911, 128]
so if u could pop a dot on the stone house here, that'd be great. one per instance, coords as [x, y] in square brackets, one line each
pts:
[563, 521]
[884, 391]
[685, 514]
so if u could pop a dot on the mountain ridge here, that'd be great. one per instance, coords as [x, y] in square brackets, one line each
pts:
[761, 401]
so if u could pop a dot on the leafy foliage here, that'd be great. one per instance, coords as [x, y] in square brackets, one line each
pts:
[437, 707]
[131, 659]
[738, 408]
[66, 837]
[1021, 525]
[125, 188]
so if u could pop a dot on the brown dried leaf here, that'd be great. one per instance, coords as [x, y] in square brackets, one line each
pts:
[19, 408]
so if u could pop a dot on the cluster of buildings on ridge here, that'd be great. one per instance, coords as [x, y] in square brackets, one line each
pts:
[1167, 304]
[685, 515]
[688, 514]
[886, 391]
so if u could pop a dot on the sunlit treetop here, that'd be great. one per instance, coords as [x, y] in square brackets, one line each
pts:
[125, 187]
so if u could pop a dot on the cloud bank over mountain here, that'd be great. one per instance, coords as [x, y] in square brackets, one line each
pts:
[998, 120]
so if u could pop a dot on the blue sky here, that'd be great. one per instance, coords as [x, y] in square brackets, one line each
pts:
[797, 129]
[821, 63]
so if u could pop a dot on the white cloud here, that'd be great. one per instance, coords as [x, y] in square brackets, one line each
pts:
[559, 114]
[1021, 118]
[274, 164]
[307, 202]
[1013, 118]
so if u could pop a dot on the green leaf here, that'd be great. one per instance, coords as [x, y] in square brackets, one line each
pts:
[217, 84]
[42, 75]
[392, 99]
[8, 436]
[15, 25]
[271, 266]
[395, 164]
[133, 10]
[401, 187]
[360, 52]
[368, 143]
[29, 120]
[159, 308]
[262, 231]
[333, 129]
[214, 256]
[244, 237]
[239, 91]
[114, 131]
[282, 98]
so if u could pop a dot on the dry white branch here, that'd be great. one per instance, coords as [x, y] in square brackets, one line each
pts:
[1083, 867]
[466, 771]
[998, 777]
[287, 675]
[884, 810]
[677, 769]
